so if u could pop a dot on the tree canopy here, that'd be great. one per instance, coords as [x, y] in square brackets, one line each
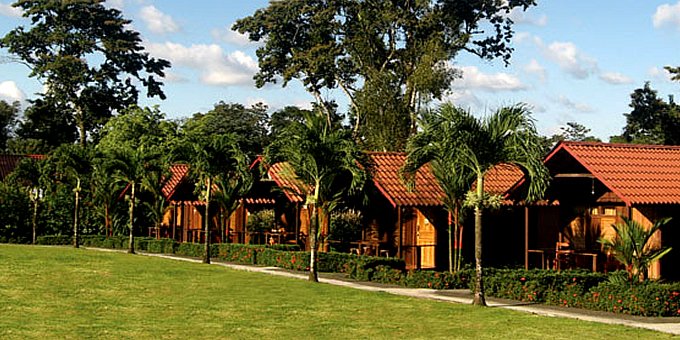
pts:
[388, 57]
[651, 119]
[87, 57]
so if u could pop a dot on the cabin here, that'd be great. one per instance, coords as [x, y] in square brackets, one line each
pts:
[413, 224]
[593, 185]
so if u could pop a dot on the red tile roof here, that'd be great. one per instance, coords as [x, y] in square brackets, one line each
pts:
[637, 174]
[427, 191]
[9, 162]
[387, 179]
[178, 173]
[284, 176]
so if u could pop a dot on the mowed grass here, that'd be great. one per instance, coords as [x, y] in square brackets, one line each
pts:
[75, 293]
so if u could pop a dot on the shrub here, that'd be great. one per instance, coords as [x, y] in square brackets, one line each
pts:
[54, 240]
[162, 246]
[260, 221]
[647, 299]
[363, 267]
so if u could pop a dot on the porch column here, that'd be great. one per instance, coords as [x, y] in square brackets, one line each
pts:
[526, 237]
[401, 232]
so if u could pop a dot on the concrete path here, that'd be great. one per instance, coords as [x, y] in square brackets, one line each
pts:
[665, 325]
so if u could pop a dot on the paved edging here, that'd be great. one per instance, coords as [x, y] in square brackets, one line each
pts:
[672, 328]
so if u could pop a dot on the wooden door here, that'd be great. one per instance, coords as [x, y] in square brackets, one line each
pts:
[426, 240]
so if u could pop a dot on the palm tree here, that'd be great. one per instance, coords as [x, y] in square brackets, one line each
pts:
[508, 136]
[218, 165]
[325, 158]
[435, 145]
[132, 166]
[631, 246]
[105, 190]
[72, 163]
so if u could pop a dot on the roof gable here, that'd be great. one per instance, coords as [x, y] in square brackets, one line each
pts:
[637, 174]
[9, 162]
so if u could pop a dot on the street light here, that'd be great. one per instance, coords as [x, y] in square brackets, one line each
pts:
[35, 195]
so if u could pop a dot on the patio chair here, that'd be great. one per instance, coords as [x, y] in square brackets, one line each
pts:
[563, 255]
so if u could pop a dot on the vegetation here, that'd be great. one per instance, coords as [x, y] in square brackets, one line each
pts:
[70, 36]
[632, 246]
[389, 58]
[168, 298]
[326, 159]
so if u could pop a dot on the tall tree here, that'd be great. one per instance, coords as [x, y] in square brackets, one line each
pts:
[220, 171]
[8, 119]
[72, 165]
[508, 136]
[249, 125]
[325, 158]
[390, 53]
[644, 123]
[435, 145]
[281, 118]
[88, 58]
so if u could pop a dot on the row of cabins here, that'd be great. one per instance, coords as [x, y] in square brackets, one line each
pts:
[593, 185]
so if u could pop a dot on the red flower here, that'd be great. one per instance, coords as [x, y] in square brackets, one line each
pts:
[619, 301]
[574, 279]
[522, 279]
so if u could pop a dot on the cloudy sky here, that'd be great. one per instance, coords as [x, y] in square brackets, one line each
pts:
[573, 61]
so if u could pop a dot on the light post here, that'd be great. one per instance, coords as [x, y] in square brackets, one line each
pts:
[35, 195]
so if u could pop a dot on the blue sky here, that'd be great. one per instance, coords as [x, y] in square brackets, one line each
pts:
[573, 61]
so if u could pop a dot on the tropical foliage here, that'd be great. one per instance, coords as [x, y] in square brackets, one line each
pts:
[632, 246]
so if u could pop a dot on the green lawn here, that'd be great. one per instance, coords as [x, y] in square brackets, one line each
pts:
[75, 293]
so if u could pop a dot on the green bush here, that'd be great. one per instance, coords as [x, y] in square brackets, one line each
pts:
[54, 240]
[363, 267]
[648, 299]
[536, 285]
[161, 246]
[261, 221]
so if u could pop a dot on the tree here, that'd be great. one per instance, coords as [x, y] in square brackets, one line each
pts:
[8, 119]
[132, 166]
[72, 164]
[631, 246]
[44, 127]
[435, 145]
[217, 165]
[508, 136]
[651, 120]
[391, 54]
[106, 190]
[249, 125]
[282, 118]
[88, 59]
[326, 159]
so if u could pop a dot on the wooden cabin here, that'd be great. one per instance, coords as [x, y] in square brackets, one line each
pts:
[9, 162]
[593, 185]
[413, 224]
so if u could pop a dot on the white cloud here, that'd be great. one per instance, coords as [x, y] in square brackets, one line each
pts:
[535, 68]
[659, 74]
[473, 78]
[519, 16]
[9, 11]
[157, 21]
[10, 92]
[214, 65]
[615, 78]
[464, 98]
[580, 107]
[570, 59]
[231, 37]
[667, 15]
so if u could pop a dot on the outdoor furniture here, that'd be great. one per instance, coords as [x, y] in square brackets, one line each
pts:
[542, 253]
[563, 255]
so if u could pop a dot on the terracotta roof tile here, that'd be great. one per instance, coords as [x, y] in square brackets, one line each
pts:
[638, 174]
[427, 191]
[284, 176]
[178, 173]
[9, 162]
[386, 178]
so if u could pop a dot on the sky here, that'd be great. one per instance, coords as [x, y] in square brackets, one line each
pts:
[574, 61]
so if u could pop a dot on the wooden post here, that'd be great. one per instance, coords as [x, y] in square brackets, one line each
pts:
[401, 232]
[526, 237]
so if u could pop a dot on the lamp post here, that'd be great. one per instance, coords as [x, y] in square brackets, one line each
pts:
[35, 195]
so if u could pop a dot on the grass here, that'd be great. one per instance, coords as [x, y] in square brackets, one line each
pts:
[55, 292]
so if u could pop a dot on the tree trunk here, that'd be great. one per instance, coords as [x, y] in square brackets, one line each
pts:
[451, 257]
[35, 216]
[75, 216]
[80, 117]
[479, 285]
[107, 221]
[206, 222]
[131, 244]
[459, 238]
[313, 230]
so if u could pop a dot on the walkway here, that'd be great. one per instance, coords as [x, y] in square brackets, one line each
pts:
[666, 325]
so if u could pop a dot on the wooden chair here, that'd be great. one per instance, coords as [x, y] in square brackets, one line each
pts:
[563, 255]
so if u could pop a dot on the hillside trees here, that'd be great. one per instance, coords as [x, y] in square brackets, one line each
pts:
[88, 59]
[388, 57]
